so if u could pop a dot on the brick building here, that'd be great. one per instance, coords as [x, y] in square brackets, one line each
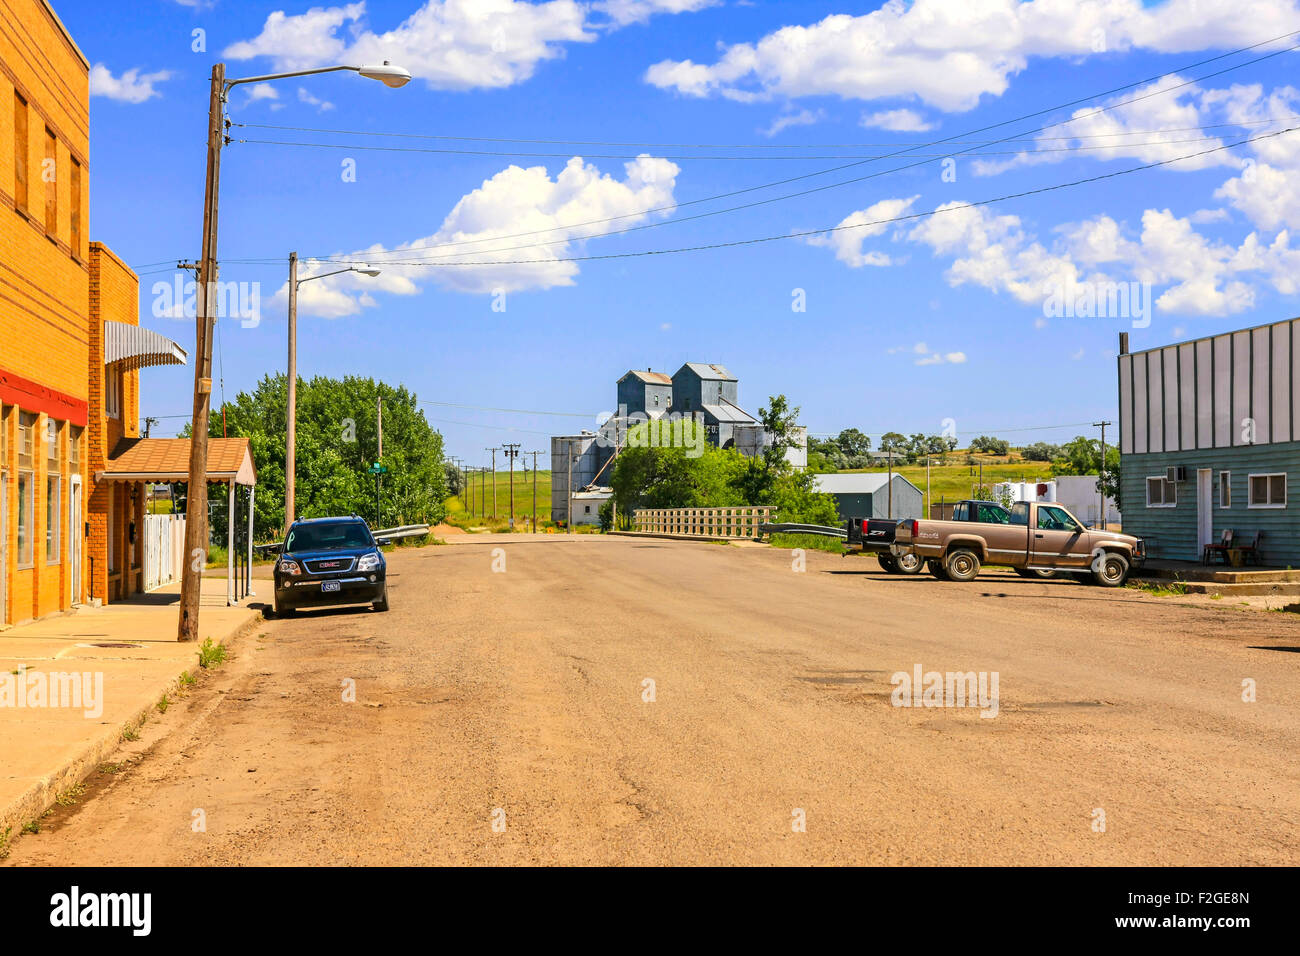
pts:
[44, 312]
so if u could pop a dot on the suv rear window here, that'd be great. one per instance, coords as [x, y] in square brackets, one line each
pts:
[328, 536]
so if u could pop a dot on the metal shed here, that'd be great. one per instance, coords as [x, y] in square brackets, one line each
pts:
[867, 494]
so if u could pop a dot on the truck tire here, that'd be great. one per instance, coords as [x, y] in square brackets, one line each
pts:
[1035, 573]
[887, 563]
[935, 567]
[961, 564]
[1111, 571]
[909, 564]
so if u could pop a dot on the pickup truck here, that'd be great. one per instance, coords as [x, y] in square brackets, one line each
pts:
[876, 535]
[1033, 538]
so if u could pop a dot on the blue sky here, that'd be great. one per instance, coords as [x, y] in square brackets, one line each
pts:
[906, 324]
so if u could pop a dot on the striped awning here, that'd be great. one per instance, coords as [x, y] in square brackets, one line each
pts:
[136, 348]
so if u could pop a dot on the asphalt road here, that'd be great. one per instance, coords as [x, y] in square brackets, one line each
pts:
[500, 717]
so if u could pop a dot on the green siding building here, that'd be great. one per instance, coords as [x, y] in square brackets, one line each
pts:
[1210, 440]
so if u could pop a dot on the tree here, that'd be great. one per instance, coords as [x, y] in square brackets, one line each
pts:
[454, 477]
[337, 440]
[853, 443]
[990, 446]
[1041, 451]
[893, 441]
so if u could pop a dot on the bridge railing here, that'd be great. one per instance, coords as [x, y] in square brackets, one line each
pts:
[738, 522]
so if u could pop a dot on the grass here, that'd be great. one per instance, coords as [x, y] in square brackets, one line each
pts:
[4, 842]
[163, 704]
[131, 733]
[111, 767]
[32, 826]
[211, 654]
[1159, 588]
[188, 679]
[69, 797]
[460, 515]
[809, 542]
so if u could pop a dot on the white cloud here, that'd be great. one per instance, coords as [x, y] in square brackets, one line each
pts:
[131, 87]
[305, 96]
[786, 120]
[854, 229]
[1129, 132]
[1198, 275]
[450, 44]
[623, 12]
[926, 357]
[515, 200]
[897, 121]
[948, 53]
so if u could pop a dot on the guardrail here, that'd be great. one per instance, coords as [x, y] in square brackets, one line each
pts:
[803, 529]
[738, 522]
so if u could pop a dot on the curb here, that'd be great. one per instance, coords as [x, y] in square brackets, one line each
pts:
[41, 795]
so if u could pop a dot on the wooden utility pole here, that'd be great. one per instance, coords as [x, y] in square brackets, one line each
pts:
[379, 425]
[1101, 491]
[291, 405]
[494, 481]
[512, 450]
[196, 498]
[534, 454]
[891, 482]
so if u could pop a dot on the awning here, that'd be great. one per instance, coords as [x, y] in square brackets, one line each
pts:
[168, 459]
[136, 348]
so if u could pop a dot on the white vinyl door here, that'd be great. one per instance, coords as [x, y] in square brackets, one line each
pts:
[1204, 509]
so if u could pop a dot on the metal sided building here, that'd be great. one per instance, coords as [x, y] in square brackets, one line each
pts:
[867, 494]
[1210, 439]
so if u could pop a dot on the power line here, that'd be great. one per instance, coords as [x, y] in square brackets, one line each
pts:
[519, 411]
[702, 158]
[765, 146]
[817, 232]
[376, 256]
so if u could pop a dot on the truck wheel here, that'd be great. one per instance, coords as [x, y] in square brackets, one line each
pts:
[909, 563]
[887, 563]
[1035, 573]
[961, 564]
[1111, 570]
[936, 568]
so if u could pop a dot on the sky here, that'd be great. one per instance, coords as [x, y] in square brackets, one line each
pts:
[565, 191]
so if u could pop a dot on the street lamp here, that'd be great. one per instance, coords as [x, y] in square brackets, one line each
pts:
[291, 431]
[196, 505]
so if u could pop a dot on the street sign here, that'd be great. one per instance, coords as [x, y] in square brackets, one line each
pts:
[378, 469]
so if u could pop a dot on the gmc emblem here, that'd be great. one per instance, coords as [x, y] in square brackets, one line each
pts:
[330, 564]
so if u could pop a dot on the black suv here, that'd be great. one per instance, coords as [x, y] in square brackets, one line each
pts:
[327, 561]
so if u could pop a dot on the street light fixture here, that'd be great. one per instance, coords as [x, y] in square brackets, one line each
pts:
[196, 505]
[291, 416]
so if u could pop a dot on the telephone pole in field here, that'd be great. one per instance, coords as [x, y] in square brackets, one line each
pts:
[1101, 472]
[534, 454]
[512, 451]
[494, 480]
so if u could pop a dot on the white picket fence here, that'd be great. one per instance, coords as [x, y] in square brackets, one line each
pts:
[738, 522]
[164, 544]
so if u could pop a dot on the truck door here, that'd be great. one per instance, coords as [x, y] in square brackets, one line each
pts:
[1058, 540]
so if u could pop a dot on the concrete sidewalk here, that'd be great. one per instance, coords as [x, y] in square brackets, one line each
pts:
[132, 657]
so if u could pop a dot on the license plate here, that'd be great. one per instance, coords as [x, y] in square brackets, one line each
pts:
[329, 586]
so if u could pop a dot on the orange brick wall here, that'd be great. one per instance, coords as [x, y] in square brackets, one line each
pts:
[44, 281]
[114, 291]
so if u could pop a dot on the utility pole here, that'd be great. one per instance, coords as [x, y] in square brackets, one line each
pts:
[512, 450]
[148, 423]
[568, 488]
[291, 405]
[196, 498]
[494, 482]
[1101, 491]
[460, 485]
[891, 482]
[379, 424]
[534, 454]
[928, 503]
[482, 489]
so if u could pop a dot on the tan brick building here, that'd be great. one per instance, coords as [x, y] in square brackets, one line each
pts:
[44, 312]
